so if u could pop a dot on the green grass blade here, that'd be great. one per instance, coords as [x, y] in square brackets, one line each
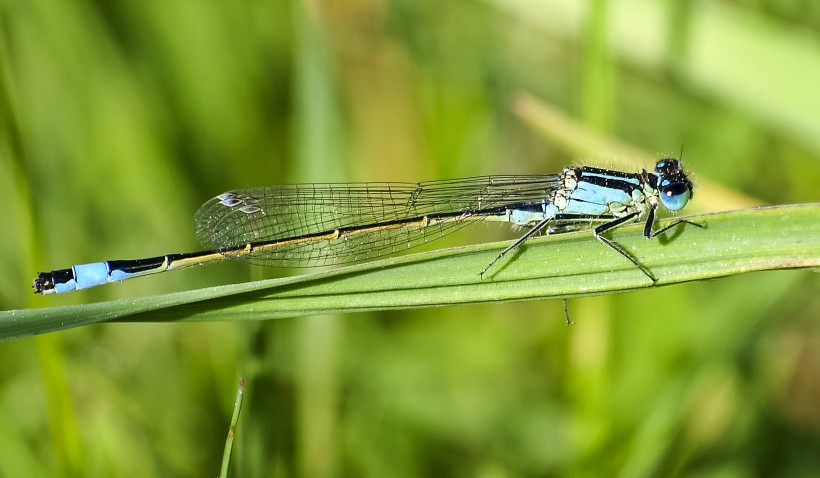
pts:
[237, 408]
[568, 265]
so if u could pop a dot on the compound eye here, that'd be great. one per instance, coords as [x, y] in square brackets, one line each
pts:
[675, 196]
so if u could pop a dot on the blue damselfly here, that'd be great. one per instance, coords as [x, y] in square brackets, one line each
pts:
[320, 224]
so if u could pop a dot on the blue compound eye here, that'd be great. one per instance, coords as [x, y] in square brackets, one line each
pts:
[675, 196]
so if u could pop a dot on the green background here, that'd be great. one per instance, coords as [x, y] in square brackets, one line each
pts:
[119, 120]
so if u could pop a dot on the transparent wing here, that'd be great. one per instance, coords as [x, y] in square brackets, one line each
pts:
[294, 211]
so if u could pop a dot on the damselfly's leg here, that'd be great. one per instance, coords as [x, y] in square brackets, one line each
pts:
[613, 224]
[517, 243]
[650, 221]
[670, 226]
[561, 218]
[647, 233]
[566, 313]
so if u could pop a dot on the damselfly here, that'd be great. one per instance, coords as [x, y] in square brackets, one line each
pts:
[320, 224]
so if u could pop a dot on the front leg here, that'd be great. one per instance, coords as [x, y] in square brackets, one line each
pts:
[670, 226]
[650, 221]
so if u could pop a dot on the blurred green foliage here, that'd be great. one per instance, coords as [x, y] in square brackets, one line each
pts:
[118, 119]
